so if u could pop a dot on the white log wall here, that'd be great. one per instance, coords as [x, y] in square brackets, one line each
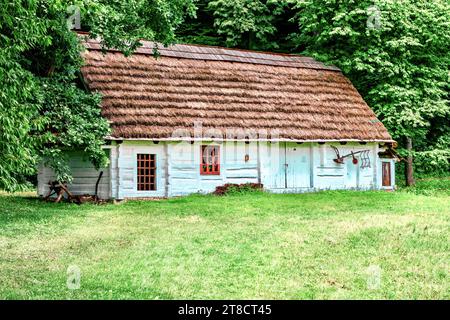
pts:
[84, 177]
[310, 167]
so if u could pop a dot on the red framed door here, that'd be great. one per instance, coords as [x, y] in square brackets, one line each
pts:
[386, 174]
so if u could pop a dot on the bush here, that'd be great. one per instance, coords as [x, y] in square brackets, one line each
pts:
[436, 162]
[233, 189]
[427, 164]
[429, 187]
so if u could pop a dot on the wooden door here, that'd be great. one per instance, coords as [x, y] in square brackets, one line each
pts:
[352, 177]
[298, 167]
[386, 174]
[278, 165]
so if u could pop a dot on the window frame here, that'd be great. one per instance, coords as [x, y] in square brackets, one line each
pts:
[210, 168]
[152, 159]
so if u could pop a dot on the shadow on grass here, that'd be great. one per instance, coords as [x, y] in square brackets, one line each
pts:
[25, 208]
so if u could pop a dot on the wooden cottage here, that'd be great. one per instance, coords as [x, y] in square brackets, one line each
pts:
[199, 117]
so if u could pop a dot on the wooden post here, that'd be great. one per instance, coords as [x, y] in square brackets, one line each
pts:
[311, 166]
[258, 154]
[375, 166]
[409, 172]
[167, 169]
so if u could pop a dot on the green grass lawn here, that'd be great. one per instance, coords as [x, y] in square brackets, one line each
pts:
[328, 245]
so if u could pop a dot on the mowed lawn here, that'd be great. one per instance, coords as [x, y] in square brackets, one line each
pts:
[328, 245]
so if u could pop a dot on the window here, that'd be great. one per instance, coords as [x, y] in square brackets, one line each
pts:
[146, 172]
[210, 160]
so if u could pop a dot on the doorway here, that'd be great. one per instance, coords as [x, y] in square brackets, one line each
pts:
[292, 168]
[386, 174]
[352, 177]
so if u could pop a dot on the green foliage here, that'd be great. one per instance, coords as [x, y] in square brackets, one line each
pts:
[429, 187]
[121, 24]
[247, 24]
[44, 108]
[433, 161]
[243, 21]
[427, 164]
[73, 123]
[200, 29]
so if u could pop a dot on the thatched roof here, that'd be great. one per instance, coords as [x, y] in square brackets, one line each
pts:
[294, 97]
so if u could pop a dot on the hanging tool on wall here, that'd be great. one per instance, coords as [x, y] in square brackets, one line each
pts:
[354, 160]
[365, 159]
[364, 156]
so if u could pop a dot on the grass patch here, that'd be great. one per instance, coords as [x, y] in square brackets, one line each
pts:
[256, 245]
[430, 186]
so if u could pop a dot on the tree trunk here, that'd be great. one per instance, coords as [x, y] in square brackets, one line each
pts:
[251, 40]
[409, 173]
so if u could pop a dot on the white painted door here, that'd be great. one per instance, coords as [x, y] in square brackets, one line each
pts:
[352, 177]
[278, 165]
[291, 167]
[297, 166]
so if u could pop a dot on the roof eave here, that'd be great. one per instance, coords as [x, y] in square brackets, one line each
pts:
[250, 140]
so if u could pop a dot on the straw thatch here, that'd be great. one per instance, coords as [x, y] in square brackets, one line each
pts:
[297, 97]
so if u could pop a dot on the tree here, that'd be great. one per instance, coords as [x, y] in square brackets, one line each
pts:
[397, 54]
[44, 109]
[200, 29]
[243, 21]
[247, 24]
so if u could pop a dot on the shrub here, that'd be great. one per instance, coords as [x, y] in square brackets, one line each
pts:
[233, 189]
[429, 187]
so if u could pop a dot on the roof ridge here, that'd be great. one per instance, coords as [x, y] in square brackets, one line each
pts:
[216, 53]
[271, 53]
